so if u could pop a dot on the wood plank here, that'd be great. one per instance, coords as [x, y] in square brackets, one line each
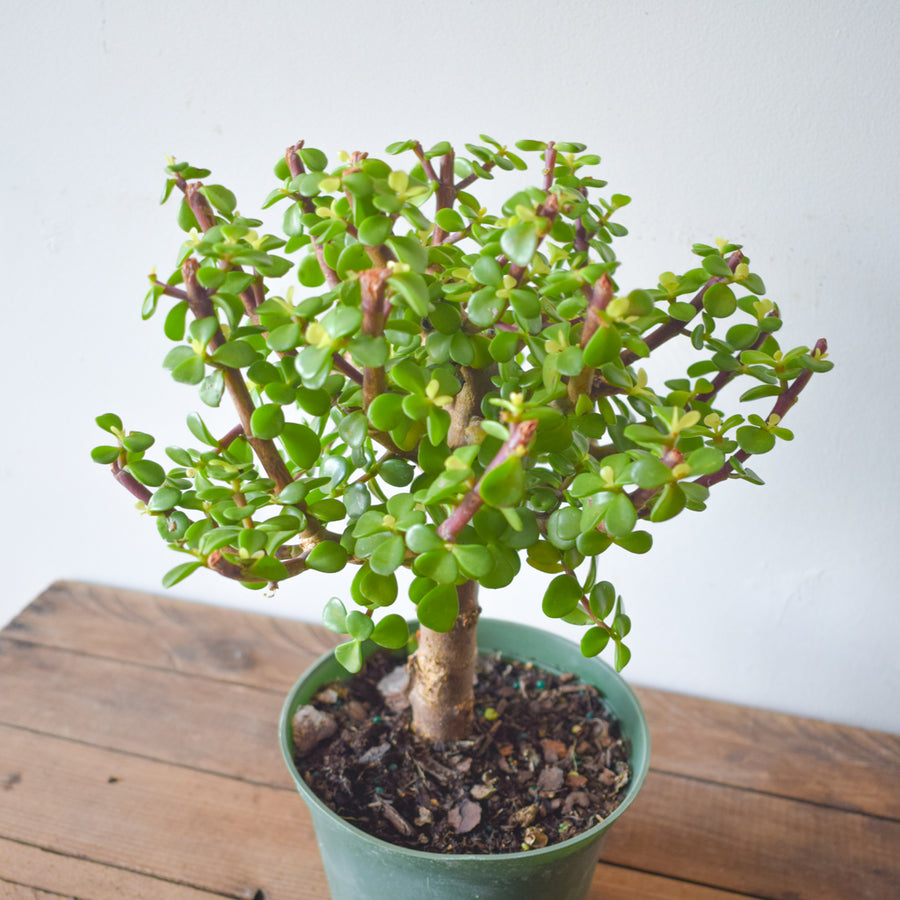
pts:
[679, 828]
[756, 843]
[209, 724]
[801, 758]
[205, 831]
[65, 876]
[159, 822]
[193, 638]
[835, 765]
[617, 883]
[11, 891]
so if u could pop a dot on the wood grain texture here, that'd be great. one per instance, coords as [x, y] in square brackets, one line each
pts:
[192, 638]
[11, 891]
[69, 877]
[219, 726]
[198, 829]
[618, 883]
[755, 843]
[833, 765]
[806, 759]
[138, 758]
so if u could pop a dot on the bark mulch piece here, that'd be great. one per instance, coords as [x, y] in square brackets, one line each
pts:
[545, 762]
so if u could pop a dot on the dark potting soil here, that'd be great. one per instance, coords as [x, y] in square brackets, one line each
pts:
[545, 762]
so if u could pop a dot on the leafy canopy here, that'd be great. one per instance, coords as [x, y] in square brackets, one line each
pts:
[425, 384]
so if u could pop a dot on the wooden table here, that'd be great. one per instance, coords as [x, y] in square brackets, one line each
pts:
[139, 759]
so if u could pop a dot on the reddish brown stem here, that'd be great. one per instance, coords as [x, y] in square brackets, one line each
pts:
[168, 289]
[520, 436]
[129, 482]
[295, 166]
[673, 327]
[600, 298]
[218, 563]
[232, 435]
[266, 451]
[446, 194]
[372, 284]
[199, 205]
[549, 165]
[426, 163]
[471, 179]
[785, 401]
[725, 377]
[350, 371]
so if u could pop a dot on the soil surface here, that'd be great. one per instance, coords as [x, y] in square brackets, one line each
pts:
[544, 764]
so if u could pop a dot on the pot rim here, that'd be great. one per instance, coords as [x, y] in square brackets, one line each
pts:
[640, 739]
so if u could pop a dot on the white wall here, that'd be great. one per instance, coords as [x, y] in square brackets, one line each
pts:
[772, 123]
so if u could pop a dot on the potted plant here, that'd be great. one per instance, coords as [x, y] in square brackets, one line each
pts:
[452, 392]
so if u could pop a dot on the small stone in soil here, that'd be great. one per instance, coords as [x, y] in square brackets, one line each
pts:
[311, 726]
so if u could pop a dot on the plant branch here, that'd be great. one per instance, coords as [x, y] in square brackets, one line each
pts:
[601, 295]
[295, 166]
[128, 481]
[520, 436]
[426, 163]
[372, 283]
[446, 194]
[673, 327]
[549, 165]
[232, 435]
[168, 289]
[724, 376]
[199, 205]
[350, 371]
[219, 563]
[471, 179]
[266, 451]
[785, 401]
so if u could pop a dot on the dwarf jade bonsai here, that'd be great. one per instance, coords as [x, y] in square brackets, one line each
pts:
[450, 390]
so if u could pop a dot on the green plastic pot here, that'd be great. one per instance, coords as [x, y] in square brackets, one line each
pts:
[361, 867]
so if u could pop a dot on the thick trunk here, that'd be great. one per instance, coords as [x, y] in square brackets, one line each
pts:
[443, 675]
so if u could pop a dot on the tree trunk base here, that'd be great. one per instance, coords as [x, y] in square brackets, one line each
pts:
[443, 675]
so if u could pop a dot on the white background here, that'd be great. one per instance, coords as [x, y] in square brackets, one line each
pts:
[769, 123]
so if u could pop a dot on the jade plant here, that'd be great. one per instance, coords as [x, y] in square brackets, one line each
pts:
[422, 383]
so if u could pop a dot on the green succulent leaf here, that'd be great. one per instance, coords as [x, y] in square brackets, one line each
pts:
[359, 625]
[235, 355]
[439, 608]
[754, 440]
[349, 655]
[301, 444]
[562, 597]
[504, 485]
[147, 472]
[623, 656]
[179, 573]
[391, 632]
[334, 616]
[413, 290]
[267, 421]
[594, 641]
[109, 422]
[327, 556]
[388, 556]
[105, 455]
[519, 243]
